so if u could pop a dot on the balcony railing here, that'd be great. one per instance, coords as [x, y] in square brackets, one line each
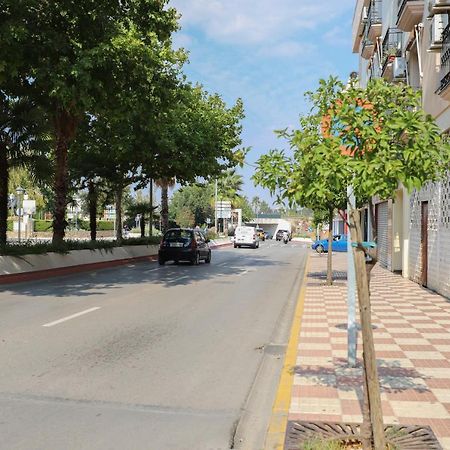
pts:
[374, 12]
[445, 59]
[392, 46]
[367, 44]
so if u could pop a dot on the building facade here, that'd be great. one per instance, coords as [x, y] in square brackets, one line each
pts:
[408, 41]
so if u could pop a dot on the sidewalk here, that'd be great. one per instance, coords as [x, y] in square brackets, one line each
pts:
[412, 341]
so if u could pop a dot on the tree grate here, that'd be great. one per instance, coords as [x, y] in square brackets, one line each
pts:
[400, 437]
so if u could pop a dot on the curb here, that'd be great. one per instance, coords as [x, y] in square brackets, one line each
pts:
[61, 271]
[276, 433]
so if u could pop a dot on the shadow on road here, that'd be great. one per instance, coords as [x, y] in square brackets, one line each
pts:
[183, 274]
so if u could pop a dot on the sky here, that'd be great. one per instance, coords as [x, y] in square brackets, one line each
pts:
[269, 53]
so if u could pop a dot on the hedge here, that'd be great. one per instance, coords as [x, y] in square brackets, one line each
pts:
[29, 248]
[43, 225]
[102, 225]
[105, 225]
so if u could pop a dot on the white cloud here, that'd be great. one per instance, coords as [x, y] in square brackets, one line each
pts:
[182, 40]
[256, 22]
[338, 36]
[287, 49]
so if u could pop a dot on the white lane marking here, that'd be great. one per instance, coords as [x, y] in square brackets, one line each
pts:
[73, 316]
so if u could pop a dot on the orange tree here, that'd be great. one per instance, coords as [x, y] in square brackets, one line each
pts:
[379, 139]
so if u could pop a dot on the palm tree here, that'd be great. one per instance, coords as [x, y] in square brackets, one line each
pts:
[229, 186]
[164, 184]
[22, 143]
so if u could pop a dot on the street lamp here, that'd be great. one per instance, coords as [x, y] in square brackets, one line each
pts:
[19, 191]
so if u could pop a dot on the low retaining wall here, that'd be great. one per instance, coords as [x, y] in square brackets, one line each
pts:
[32, 267]
[14, 269]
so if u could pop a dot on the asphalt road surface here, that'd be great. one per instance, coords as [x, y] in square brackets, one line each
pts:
[148, 357]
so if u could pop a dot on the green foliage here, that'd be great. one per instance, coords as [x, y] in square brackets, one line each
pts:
[185, 218]
[153, 240]
[372, 139]
[10, 224]
[197, 199]
[37, 248]
[43, 225]
[105, 225]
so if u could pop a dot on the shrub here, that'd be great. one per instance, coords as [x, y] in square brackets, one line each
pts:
[154, 240]
[10, 224]
[105, 225]
[43, 225]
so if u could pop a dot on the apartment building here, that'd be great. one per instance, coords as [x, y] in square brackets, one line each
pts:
[408, 41]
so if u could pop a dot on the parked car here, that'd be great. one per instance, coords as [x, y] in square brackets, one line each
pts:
[261, 234]
[280, 233]
[184, 244]
[246, 236]
[339, 244]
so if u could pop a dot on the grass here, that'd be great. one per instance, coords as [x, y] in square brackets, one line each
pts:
[320, 444]
[39, 248]
[324, 444]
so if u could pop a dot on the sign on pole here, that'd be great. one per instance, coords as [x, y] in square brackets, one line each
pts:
[223, 209]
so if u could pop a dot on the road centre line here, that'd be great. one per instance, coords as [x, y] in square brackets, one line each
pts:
[73, 316]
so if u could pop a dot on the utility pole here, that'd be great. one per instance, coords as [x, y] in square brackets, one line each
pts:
[215, 208]
[352, 333]
[151, 208]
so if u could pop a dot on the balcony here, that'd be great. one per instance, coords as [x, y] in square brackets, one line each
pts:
[410, 13]
[438, 7]
[444, 87]
[392, 60]
[368, 46]
[374, 20]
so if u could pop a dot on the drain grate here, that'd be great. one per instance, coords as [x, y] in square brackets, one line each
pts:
[402, 437]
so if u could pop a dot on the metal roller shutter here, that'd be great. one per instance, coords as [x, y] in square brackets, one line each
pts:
[382, 229]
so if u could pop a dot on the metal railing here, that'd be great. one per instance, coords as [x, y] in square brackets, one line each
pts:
[445, 59]
[366, 42]
[392, 46]
[374, 12]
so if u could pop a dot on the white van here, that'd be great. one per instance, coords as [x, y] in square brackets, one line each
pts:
[246, 236]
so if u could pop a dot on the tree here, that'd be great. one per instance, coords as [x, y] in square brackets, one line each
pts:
[74, 58]
[229, 186]
[185, 218]
[164, 184]
[23, 143]
[373, 139]
[256, 205]
[197, 198]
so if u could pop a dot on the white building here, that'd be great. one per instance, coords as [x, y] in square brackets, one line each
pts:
[408, 41]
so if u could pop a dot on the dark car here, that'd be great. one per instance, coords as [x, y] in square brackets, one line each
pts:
[184, 244]
[279, 235]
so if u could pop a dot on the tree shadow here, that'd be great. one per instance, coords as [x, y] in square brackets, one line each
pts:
[102, 281]
[392, 376]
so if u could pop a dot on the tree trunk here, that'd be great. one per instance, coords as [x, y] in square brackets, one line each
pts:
[142, 224]
[119, 194]
[330, 252]
[164, 207]
[150, 227]
[65, 125]
[369, 358]
[92, 199]
[4, 174]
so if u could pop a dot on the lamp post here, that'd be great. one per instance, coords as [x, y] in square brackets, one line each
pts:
[19, 191]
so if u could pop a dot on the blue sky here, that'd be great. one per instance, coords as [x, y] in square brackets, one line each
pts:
[268, 53]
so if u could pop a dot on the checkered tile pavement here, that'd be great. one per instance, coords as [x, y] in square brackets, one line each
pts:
[412, 342]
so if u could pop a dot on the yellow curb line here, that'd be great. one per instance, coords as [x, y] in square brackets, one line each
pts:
[277, 427]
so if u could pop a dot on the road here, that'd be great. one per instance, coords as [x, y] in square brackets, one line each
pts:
[148, 357]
